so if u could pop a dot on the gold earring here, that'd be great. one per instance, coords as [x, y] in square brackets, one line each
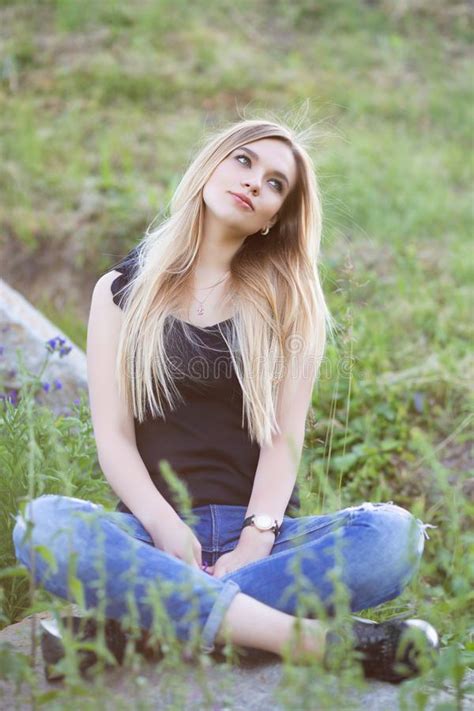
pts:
[265, 231]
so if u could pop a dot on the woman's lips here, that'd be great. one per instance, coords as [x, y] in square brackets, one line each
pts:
[241, 202]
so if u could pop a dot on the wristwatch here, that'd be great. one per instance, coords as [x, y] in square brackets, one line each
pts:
[263, 523]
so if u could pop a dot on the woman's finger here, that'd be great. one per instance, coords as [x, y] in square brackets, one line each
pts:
[197, 552]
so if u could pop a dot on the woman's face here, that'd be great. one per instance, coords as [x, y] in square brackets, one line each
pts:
[264, 171]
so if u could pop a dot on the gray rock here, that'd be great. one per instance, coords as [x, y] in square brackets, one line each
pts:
[25, 330]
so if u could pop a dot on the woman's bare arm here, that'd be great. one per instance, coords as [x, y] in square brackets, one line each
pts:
[113, 424]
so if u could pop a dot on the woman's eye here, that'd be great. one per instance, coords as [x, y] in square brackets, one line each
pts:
[242, 155]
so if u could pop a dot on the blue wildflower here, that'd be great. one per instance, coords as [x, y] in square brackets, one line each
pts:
[12, 396]
[57, 384]
[46, 387]
[58, 344]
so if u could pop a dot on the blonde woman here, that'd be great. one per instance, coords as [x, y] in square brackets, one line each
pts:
[204, 346]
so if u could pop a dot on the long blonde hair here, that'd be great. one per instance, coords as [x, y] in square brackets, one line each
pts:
[280, 314]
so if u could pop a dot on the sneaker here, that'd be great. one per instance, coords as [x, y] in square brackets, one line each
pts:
[84, 630]
[392, 651]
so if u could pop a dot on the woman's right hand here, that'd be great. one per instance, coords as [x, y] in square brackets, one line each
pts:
[175, 537]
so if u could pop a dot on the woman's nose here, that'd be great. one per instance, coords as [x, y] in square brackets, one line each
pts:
[253, 187]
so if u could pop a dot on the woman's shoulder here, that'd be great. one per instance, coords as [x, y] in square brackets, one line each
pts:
[125, 268]
[127, 263]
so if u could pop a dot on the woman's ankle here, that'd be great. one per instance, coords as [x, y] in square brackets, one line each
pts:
[307, 641]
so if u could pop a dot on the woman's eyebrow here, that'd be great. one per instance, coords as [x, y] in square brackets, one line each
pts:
[255, 157]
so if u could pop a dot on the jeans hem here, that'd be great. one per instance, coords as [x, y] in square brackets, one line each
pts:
[214, 621]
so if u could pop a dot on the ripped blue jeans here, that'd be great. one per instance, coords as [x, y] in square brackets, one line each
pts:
[373, 549]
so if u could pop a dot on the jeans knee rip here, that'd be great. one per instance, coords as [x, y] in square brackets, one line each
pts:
[369, 506]
[424, 526]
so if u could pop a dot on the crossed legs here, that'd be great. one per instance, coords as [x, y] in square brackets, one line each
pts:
[248, 606]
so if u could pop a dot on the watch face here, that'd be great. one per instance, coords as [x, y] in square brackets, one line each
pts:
[263, 522]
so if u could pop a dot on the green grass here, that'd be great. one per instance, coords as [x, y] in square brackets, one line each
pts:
[101, 105]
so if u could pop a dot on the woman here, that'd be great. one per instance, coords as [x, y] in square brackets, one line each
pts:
[203, 348]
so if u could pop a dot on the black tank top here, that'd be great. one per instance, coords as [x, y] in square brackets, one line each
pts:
[202, 439]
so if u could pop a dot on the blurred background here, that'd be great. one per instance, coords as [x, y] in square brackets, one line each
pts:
[102, 104]
[102, 107]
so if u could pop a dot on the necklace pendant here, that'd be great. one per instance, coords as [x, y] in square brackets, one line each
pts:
[200, 310]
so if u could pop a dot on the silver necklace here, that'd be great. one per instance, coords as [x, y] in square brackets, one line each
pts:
[200, 308]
